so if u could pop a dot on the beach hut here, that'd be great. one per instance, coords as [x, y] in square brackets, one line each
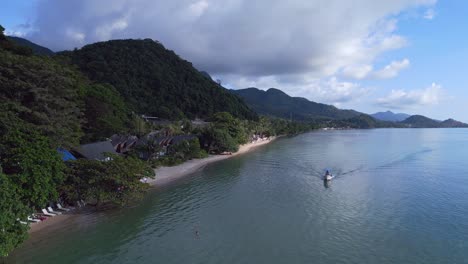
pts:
[96, 150]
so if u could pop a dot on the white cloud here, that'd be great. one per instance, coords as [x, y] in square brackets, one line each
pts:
[260, 38]
[429, 14]
[198, 8]
[330, 90]
[15, 33]
[357, 71]
[392, 69]
[363, 71]
[76, 36]
[105, 31]
[401, 99]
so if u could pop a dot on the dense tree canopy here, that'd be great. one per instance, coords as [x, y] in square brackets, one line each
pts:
[31, 164]
[12, 232]
[47, 95]
[105, 113]
[155, 81]
[116, 181]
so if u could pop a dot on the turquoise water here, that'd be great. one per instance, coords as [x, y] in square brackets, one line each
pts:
[399, 196]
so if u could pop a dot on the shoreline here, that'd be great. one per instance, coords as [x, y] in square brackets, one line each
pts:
[164, 177]
[168, 175]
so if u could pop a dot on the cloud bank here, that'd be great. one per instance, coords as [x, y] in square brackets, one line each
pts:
[261, 37]
[248, 39]
[401, 99]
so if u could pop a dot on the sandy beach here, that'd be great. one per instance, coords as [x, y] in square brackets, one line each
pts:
[164, 176]
[167, 175]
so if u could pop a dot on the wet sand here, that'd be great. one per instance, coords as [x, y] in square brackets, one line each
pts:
[167, 175]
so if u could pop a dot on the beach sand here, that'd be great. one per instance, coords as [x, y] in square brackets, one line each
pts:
[167, 175]
[164, 176]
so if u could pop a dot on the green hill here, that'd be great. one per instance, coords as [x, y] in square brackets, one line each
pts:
[37, 49]
[156, 81]
[419, 121]
[452, 123]
[274, 102]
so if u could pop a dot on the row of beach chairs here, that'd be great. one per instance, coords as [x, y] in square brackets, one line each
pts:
[49, 212]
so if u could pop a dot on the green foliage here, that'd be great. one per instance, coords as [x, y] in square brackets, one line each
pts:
[225, 121]
[35, 168]
[29, 173]
[420, 121]
[116, 181]
[138, 126]
[186, 150]
[2, 29]
[36, 49]
[276, 103]
[12, 232]
[46, 93]
[155, 81]
[105, 113]
[218, 140]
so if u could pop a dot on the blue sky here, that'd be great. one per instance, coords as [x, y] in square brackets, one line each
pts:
[406, 55]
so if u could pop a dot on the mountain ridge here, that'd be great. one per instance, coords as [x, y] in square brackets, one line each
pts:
[36, 48]
[390, 116]
[420, 121]
[274, 102]
[155, 80]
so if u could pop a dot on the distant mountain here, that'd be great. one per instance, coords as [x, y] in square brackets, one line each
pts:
[419, 121]
[274, 102]
[390, 116]
[452, 123]
[37, 49]
[156, 81]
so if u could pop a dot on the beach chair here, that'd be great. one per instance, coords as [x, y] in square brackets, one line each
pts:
[52, 211]
[30, 219]
[21, 222]
[44, 212]
[60, 207]
[39, 216]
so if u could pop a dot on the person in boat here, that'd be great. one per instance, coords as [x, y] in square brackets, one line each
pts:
[327, 173]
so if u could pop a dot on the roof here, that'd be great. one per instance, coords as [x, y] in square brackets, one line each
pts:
[165, 141]
[65, 154]
[95, 151]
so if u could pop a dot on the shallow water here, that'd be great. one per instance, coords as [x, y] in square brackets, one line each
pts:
[399, 196]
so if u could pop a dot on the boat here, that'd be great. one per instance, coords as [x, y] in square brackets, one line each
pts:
[328, 176]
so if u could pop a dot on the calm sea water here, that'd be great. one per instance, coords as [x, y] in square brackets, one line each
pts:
[399, 196]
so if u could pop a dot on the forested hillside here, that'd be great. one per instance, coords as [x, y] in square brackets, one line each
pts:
[36, 49]
[276, 103]
[156, 81]
[419, 121]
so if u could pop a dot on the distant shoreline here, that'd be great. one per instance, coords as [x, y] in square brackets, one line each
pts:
[168, 175]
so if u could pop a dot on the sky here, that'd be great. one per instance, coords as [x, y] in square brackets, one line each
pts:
[399, 55]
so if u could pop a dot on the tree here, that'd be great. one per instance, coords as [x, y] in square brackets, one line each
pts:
[48, 94]
[105, 112]
[2, 35]
[155, 81]
[186, 150]
[225, 121]
[32, 165]
[116, 181]
[217, 140]
[12, 232]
